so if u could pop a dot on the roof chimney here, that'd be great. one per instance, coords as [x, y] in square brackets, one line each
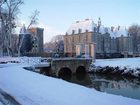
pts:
[77, 21]
[87, 19]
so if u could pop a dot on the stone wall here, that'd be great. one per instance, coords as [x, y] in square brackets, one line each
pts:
[72, 64]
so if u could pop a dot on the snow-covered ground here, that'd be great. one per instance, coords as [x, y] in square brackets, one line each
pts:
[30, 61]
[120, 62]
[30, 88]
[120, 66]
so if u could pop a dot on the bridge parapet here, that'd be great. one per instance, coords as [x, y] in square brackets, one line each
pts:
[70, 63]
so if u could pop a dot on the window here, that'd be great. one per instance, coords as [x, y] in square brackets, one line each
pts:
[86, 37]
[72, 38]
[79, 38]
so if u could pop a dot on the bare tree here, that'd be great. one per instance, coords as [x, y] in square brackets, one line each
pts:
[33, 18]
[11, 8]
[57, 38]
[33, 21]
[50, 47]
[134, 31]
[1, 27]
[56, 45]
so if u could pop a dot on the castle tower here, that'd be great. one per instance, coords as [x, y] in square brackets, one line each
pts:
[99, 21]
[99, 25]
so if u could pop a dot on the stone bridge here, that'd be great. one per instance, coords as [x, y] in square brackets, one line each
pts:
[69, 66]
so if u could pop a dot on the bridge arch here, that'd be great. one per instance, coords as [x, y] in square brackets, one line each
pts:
[65, 73]
[81, 70]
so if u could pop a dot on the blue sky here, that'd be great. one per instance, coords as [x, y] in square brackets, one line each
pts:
[57, 15]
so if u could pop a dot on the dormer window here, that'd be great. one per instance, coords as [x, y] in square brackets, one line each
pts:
[79, 30]
[94, 29]
[73, 31]
[112, 28]
[86, 30]
[106, 30]
[66, 33]
[87, 19]
[77, 21]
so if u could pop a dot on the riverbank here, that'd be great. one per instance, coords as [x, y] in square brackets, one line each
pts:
[30, 88]
[121, 66]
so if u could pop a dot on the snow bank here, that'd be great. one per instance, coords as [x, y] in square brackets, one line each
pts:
[30, 88]
[130, 66]
[31, 61]
[121, 62]
[8, 59]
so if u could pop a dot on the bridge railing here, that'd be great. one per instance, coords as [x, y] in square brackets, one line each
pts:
[72, 58]
[35, 61]
[30, 60]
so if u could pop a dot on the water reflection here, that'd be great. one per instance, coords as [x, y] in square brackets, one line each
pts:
[82, 79]
[116, 85]
[111, 84]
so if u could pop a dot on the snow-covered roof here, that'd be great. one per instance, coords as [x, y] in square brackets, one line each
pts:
[89, 25]
[81, 26]
[102, 29]
[118, 31]
[111, 32]
[121, 31]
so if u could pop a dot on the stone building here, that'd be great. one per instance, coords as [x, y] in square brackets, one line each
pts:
[31, 41]
[125, 45]
[88, 38]
[78, 39]
[37, 39]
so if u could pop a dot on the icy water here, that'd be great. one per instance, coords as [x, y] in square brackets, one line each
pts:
[112, 84]
[109, 84]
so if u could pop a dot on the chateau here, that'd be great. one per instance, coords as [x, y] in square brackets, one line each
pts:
[88, 38]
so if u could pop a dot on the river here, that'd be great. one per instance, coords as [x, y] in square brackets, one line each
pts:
[127, 87]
